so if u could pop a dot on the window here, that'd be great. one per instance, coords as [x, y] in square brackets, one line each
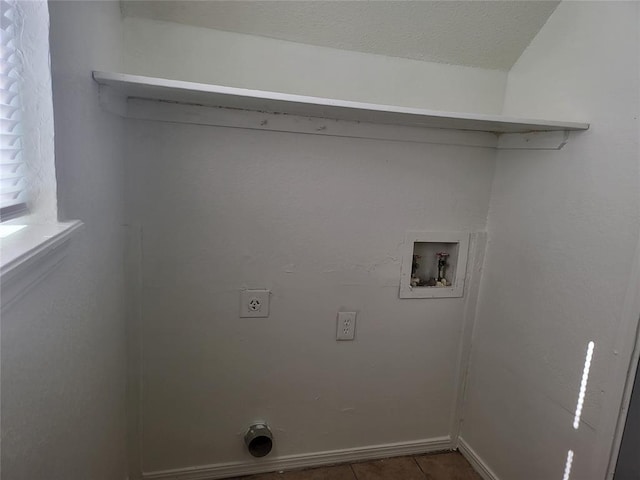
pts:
[13, 188]
[33, 244]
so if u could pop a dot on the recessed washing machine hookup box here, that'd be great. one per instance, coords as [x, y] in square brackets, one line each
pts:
[434, 264]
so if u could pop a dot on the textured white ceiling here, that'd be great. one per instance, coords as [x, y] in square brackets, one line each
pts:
[489, 34]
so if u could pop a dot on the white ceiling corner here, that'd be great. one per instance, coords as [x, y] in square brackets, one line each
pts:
[478, 33]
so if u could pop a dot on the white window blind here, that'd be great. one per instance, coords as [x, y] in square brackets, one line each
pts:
[13, 182]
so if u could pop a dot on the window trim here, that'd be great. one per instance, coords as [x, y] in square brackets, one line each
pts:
[29, 255]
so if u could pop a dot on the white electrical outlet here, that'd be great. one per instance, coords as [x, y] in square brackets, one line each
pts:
[254, 303]
[346, 329]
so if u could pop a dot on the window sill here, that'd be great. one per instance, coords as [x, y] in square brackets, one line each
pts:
[29, 255]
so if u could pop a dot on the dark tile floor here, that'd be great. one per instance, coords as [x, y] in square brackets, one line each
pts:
[438, 466]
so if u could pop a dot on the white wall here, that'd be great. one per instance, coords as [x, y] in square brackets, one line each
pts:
[320, 221]
[171, 50]
[63, 345]
[563, 229]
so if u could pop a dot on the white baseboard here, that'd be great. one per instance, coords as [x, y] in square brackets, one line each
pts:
[292, 462]
[476, 462]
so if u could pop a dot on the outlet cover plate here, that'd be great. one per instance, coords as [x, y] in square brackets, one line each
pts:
[254, 303]
[346, 328]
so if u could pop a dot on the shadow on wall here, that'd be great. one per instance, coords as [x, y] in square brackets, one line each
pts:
[628, 467]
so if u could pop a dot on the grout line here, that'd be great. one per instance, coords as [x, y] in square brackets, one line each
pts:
[419, 467]
[350, 465]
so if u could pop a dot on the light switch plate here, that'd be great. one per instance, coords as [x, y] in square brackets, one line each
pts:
[254, 303]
